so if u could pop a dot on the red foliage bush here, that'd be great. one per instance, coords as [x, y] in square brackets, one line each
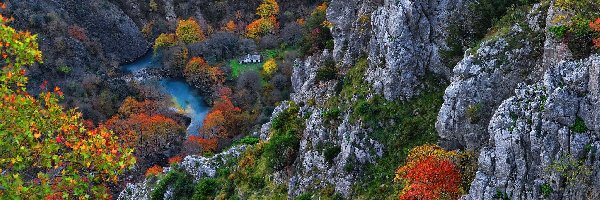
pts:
[595, 25]
[78, 33]
[175, 159]
[154, 170]
[430, 178]
[206, 145]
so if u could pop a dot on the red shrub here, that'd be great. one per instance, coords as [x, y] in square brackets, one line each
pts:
[207, 145]
[78, 33]
[175, 159]
[430, 178]
[154, 170]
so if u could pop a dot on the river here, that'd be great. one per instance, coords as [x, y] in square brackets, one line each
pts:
[186, 99]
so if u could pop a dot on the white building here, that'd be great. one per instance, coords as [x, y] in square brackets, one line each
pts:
[254, 58]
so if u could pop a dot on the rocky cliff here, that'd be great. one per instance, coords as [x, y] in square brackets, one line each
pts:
[541, 139]
[518, 98]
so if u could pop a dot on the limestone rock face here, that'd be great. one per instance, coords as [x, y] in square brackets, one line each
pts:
[540, 138]
[402, 40]
[313, 170]
[197, 166]
[532, 137]
[484, 78]
[405, 45]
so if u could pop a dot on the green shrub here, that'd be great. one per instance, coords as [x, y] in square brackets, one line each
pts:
[182, 183]
[248, 140]
[501, 195]
[467, 30]
[331, 114]
[286, 133]
[304, 196]
[327, 71]
[546, 190]
[206, 189]
[558, 31]
[473, 113]
[282, 150]
[331, 151]
[398, 125]
[573, 170]
[64, 69]
[579, 126]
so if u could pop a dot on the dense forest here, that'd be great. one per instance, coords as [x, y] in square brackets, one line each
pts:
[300, 99]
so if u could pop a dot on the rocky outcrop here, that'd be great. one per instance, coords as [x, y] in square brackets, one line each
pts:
[545, 136]
[402, 40]
[542, 140]
[406, 43]
[487, 76]
[352, 28]
[197, 166]
[351, 145]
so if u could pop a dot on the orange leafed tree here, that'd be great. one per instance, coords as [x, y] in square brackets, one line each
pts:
[214, 125]
[154, 170]
[150, 135]
[267, 21]
[231, 26]
[175, 159]
[202, 75]
[132, 106]
[221, 120]
[206, 145]
[595, 25]
[429, 173]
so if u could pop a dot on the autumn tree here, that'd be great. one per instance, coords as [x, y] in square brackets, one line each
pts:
[46, 150]
[175, 159]
[189, 31]
[202, 75]
[430, 173]
[267, 21]
[195, 145]
[231, 26]
[318, 31]
[165, 40]
[221, 121]
[154, 170]
[595, 26]
[267, 9]
[155, 137]
[269, 67]
[132, 106]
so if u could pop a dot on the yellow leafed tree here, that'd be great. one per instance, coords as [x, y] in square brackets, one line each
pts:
[46, 150]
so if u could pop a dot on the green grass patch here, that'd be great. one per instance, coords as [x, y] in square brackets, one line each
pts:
[237, 68]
